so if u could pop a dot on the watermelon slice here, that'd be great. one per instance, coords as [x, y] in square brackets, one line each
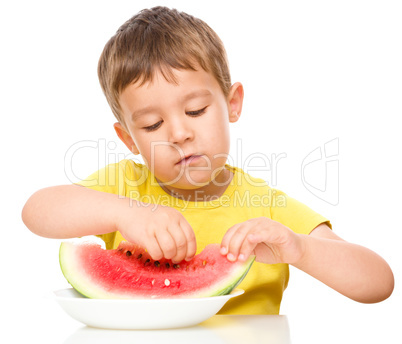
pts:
[129, 272]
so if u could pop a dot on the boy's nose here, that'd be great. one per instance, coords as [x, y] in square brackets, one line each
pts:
[180, 132]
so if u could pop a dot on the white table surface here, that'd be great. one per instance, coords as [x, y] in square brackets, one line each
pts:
[42, 320]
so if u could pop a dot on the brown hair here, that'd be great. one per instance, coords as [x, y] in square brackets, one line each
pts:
[159, 39]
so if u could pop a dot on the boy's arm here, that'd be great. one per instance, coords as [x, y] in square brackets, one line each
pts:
[350, 269]
[69, 211]
[353, 270]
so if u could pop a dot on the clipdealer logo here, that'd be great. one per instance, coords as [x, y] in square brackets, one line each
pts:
[320, 172]
[319, 169]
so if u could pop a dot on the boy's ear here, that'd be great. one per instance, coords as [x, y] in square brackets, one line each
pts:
[126, 138]
[235, 101]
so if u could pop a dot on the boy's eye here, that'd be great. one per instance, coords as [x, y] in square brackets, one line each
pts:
[153, 126]
[189, 113]
[196, 113]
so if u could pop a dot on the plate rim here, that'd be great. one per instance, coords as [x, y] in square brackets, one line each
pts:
[235, 292]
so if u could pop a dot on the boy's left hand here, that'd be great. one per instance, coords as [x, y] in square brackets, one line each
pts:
[270, 241]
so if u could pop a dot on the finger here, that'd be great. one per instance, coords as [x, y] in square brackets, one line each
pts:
[237, 240]
[227, 238]
[180, 242]
[256, 237]
[260, 234]
[271, 234]
[248, 246]
[153, 247]
[166, 243]
[191, 240]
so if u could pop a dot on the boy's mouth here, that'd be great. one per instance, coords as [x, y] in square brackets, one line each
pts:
[189, 159]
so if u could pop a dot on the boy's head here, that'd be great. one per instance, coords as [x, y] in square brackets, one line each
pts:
[159, 40]
[166, 78]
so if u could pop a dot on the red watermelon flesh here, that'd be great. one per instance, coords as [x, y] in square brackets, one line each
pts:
[129, 272]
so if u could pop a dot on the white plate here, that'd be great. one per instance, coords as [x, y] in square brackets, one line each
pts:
[140, 314]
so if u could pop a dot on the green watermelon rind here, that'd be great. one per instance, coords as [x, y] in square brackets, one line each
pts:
[237, 279]
[81, 283]
[65, 266]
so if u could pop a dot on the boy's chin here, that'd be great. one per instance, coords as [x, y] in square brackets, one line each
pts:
[187, 186]
[198, 181]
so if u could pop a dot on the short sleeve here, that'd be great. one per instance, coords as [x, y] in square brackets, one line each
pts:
[295, 215]
[108, 179]
[124, 179]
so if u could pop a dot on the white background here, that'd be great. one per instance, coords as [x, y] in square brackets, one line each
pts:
[313, 71]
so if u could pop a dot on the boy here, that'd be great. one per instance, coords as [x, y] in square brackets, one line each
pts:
[166, 78]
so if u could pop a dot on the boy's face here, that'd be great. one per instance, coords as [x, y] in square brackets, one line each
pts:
[181, 130]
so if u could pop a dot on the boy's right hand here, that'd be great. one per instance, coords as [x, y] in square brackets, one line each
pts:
[161, 230]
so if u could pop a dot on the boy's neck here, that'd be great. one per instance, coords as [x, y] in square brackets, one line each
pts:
[206, 193]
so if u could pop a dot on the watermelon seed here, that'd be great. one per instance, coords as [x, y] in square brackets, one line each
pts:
[139, 256]
[147, 261]
[128, 253]
[204, 262]
[176, 266]
[157, 264]
[167, 282]
[168, 265]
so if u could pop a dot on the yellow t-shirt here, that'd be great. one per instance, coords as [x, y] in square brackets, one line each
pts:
[245, 198]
